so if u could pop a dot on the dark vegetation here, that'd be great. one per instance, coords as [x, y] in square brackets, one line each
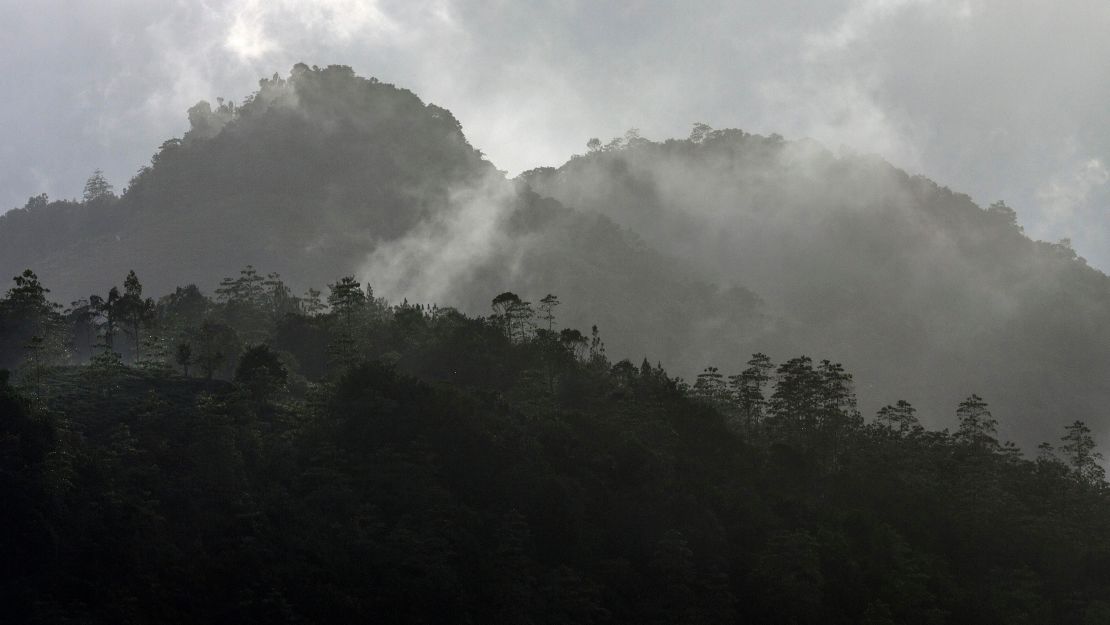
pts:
[254, 450]
[263, 458]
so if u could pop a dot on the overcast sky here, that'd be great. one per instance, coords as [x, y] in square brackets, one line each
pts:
[1001, 99]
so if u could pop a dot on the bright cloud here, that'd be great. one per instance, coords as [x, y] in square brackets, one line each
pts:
[1000, 99]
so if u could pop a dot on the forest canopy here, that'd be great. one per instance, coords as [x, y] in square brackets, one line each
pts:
[332, 457]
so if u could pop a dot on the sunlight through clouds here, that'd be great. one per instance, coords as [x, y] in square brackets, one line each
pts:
[257, 26]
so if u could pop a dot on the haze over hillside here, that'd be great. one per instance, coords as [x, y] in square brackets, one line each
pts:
[994, 98]
[916, 288]
[692, 252]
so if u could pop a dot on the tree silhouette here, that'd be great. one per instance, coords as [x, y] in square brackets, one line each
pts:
[898, 420]
[134, 312]
[183, 356]
[747, 389]
[547, 310]
[97, 188]
[1079, 451]
[977, 427]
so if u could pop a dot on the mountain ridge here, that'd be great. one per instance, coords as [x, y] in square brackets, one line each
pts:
[695, 252]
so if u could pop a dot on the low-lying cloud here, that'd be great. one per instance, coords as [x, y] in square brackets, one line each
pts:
[441, 254]
[995, 98]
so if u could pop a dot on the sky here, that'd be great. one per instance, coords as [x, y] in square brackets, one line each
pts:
[1000, 99]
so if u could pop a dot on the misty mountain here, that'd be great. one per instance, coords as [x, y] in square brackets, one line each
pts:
[324, 174]
[301, 179]
[926, 295]
[694, 252]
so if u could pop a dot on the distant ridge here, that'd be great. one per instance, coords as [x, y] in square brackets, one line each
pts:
[693, 252]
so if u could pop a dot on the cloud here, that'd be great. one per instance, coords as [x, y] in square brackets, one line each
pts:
[837, 92]
[1069, 199]
[259, 28]
[247, 36]
[442, 253]
[990, 97]
[854, 25]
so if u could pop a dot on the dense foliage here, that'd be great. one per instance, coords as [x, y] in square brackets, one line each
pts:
[259, 457]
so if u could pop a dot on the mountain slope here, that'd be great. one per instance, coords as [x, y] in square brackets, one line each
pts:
[920, 291]
[300, 179]
[696, 252]
[325, 174]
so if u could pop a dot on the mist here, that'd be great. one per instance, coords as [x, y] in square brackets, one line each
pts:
[691, 252]
[545, 313]
[998, 100]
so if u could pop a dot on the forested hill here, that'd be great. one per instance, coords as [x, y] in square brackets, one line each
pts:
[190, 433]
[259, 459]
[304, 177]
[915, 287]
[692, 252]
[323, 174]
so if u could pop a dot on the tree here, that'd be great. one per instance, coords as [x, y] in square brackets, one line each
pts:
[747, 388]
[899, 420]
[31, 328]
[261, 372]
[248, 288]
[278, 299]
[1004, 214]
[514, 314]
[348, 303]
[547, 310]
[795, 405]
[82, 318]
[109, 309]
[28, 296]
[632, 138]
[839, 415]
[574, 342]
[183, 356]
[134, 312]
[977, 427]
[700, 132]
[215, 343]
[310, 302]
[97, 188]
[1079, 452]
[710, 385]
[103, 371]
[501, 306]
[597, 348]
[346, 298]
[522, 317]
[37, 201]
